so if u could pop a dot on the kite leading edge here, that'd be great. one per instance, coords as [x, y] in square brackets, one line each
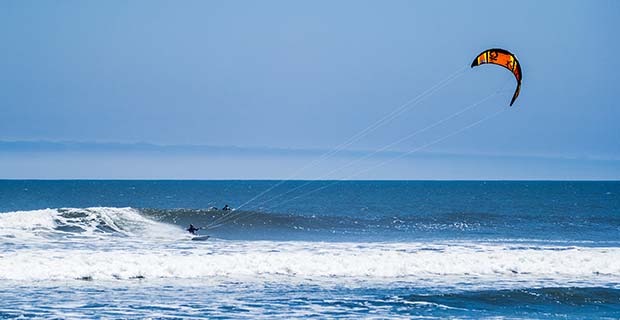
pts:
[502, 58]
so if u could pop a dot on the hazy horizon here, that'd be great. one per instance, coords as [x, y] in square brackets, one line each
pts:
[76, 160]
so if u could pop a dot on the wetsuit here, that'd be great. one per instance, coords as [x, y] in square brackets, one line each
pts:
[192, 229]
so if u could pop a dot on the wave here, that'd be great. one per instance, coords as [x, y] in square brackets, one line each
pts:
[273, 220]
[316, 260]
[126, 243]
[82, 222]
[258, 225]
[466, 221]
[530, 299]
[168, 223]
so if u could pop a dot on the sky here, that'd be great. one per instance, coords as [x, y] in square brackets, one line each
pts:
[260, 89]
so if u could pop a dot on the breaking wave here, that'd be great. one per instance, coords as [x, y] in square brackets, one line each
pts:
[125, 243]
[86, 222]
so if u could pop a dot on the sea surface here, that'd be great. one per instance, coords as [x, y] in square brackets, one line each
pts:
[351, 249]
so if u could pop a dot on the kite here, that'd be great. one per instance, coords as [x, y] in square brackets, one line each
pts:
[505, 59]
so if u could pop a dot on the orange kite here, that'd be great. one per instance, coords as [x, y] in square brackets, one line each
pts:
[505, 59]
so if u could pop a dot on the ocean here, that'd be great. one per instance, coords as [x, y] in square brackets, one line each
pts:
[323, 249]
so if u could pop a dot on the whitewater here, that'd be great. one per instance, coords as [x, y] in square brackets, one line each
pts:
[120, 243]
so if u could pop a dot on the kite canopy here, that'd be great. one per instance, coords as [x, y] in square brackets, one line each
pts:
[505, 59]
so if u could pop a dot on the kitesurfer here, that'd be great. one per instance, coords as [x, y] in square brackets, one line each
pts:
[226, 208]
[192, 229]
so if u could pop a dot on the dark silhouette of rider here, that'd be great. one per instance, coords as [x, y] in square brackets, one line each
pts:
[226, 208]
[192, 229]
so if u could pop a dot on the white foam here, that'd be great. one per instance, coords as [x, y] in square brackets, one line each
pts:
[23, 224]
[307, 260]
[28, 219]
[96, 221]
[150, 249]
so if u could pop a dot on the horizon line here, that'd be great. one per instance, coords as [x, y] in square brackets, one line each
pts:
[333, 180]
[66, 146]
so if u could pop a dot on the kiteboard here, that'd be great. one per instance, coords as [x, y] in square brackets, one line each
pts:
[200, 238]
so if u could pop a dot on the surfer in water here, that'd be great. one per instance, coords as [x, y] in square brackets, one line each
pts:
[193, 230]
[226, 208]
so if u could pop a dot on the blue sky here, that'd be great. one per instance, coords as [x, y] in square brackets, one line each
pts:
[291, 80]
